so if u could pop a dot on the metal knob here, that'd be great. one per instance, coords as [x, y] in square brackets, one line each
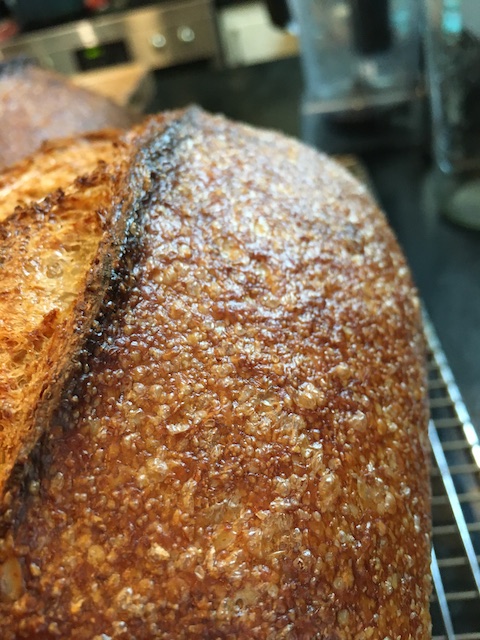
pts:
[186, 34]
[158, 41]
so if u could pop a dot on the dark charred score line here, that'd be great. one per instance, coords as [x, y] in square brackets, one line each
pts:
[122, 282]
[14, 500]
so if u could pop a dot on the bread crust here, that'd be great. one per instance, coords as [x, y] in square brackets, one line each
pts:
[56, 261]
[57, 164]
[245, 452]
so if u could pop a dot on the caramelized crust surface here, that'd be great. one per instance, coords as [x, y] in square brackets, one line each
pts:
[244, 455]
[56, 260]
[56, 165]
[49, 257]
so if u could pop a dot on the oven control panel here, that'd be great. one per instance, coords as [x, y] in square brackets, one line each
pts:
[156, 36]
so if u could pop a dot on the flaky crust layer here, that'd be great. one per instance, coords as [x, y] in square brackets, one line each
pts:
[56, 261]
[245, 453]
[57, 164]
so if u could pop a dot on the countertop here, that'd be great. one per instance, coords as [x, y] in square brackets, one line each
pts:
[445, 259]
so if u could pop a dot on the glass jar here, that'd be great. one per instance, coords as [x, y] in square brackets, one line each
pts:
[452, 47]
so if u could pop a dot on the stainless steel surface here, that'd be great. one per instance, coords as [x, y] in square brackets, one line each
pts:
[159, 36]
[455, 504]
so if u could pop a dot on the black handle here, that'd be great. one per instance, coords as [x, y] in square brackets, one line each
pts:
[279, 12]
[371, 26]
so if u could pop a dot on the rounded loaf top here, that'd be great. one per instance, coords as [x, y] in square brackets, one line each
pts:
[244, 455]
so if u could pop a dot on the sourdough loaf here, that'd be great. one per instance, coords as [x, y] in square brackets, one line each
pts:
[244, 454]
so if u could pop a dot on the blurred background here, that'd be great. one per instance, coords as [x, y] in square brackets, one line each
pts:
[392, 87]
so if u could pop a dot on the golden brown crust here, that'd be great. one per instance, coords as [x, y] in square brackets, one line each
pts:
[244, 455]
[56, 259]
[38, 105]
[56, 164]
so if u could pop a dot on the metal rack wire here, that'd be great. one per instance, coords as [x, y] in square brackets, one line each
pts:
[455, 479]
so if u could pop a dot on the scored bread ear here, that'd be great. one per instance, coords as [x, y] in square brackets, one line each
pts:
[56, 261]
[55, 165]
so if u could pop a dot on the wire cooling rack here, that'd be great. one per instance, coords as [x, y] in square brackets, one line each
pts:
[455, 479]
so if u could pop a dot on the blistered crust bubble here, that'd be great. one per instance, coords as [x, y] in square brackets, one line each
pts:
[244, 455]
